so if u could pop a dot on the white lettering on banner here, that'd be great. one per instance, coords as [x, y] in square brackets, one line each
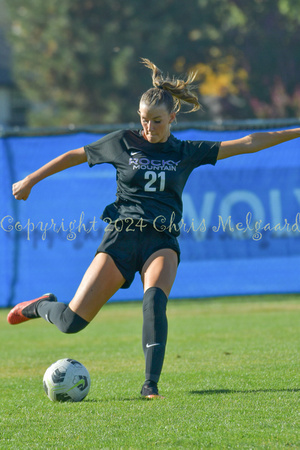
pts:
[248, 197]
[276, 210]
[205, 214]
[297, 194]
[253, 222]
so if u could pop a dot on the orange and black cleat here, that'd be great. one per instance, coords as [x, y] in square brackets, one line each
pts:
[27, 310]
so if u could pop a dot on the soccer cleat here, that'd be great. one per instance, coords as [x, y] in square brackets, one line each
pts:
[27, 310]
[150, 390]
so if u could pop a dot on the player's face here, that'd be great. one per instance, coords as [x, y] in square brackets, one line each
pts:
[156, 122]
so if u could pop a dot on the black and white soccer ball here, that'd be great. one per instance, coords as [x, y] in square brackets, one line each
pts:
[67, 380]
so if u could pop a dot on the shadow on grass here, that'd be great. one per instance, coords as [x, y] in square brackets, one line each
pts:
[207, 392]
[232, 391]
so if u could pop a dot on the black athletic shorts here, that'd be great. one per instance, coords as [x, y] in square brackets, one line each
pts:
[130, 245]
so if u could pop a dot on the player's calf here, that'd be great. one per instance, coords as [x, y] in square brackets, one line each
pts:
[66, 320]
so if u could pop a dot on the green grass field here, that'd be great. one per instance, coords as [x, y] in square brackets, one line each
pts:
[231, 379]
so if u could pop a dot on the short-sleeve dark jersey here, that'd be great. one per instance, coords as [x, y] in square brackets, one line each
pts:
[150, 177]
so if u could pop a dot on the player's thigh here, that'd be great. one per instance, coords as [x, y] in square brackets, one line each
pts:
[100, 282]
[160, 270]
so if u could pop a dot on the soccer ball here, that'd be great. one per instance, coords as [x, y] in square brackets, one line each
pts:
[67, 380]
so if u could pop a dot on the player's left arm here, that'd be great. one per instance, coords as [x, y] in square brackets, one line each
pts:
[256, 142]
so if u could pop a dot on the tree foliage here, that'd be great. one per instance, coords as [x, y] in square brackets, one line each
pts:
[79, 61]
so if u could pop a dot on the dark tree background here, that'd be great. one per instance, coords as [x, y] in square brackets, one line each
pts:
[79, 61]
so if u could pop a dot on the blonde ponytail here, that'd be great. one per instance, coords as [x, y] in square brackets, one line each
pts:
[172, 92]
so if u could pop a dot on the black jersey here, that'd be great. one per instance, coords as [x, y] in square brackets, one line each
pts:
[150, 177]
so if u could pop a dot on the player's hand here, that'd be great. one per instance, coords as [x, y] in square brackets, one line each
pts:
[21, 189]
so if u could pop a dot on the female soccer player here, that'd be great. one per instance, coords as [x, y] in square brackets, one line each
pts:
[152, 169]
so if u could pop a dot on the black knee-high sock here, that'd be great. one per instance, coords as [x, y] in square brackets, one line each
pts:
[155, 331]
[62, 316]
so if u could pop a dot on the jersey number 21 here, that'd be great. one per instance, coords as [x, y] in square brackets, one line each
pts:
[157, 181]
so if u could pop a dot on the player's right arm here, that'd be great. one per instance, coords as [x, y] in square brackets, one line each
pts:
[22, 188]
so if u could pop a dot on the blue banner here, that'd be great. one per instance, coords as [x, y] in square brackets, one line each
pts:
[240, 232]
